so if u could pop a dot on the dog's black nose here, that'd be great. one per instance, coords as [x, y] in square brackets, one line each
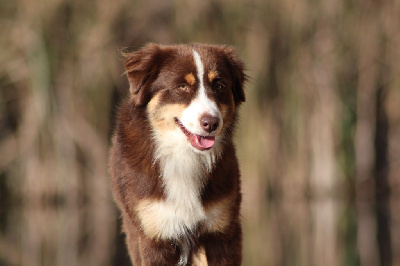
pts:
[209, 123]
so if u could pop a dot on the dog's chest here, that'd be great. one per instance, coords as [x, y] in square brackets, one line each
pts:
[183, 176]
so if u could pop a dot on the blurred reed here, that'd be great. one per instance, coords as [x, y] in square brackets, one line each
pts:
[318, 139]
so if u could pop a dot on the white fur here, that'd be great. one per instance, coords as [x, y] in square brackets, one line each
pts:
[183, 170]
[200, 105]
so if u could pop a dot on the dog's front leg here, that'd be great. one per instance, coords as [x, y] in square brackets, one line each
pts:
[224, 248]
[158, 252]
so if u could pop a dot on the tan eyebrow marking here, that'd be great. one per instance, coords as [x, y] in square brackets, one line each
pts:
[212, 75]
[190, 79]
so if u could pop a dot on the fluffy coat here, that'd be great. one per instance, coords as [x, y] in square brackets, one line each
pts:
[175, 175]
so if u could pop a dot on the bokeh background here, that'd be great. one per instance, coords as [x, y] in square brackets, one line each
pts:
[318, 139]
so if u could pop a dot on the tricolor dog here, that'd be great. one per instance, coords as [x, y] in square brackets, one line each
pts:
[174, 170]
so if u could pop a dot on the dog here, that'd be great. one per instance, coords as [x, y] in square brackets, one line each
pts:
[175, 175]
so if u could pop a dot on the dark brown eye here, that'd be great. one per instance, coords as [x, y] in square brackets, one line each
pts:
[218, 86]
[184, 87]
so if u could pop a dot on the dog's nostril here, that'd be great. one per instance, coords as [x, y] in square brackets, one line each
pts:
[209, 123]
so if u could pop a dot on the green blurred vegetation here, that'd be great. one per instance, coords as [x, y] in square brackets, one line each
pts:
[318, 139]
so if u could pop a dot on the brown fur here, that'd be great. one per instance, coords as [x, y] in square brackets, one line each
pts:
[136, 181]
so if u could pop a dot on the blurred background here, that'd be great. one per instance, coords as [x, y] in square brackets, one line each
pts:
[318, 139]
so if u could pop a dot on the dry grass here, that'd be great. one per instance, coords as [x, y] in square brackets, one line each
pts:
[320, 126]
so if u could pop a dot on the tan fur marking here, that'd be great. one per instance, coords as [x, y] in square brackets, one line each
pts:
[147, 218]
[212, 75]
[200, 258]
[219, 214]
[162, 118]
[190, 79]
[161, 219]
[151, 106]
[224, 111]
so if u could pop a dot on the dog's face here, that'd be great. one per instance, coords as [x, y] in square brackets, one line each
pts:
[190, 92]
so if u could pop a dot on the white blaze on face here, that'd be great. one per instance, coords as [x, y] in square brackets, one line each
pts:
[183, 168]
[200, 105]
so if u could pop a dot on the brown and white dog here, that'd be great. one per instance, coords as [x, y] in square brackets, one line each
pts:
[174, 170]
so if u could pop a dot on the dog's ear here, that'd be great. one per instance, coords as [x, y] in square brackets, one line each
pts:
[142, 69]
[236, 67]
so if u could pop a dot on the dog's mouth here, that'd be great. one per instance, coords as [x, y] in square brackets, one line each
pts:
[201, 143]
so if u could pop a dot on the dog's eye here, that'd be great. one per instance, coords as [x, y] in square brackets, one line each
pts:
[184, 87]
[218, 85]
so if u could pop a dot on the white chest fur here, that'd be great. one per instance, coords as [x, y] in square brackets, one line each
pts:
[183, 176]
[183, 168]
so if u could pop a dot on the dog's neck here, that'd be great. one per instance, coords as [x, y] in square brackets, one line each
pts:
[184, 173]
[184, 169]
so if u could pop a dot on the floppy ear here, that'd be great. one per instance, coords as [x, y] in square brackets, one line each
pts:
[142, 69]
[236, 67]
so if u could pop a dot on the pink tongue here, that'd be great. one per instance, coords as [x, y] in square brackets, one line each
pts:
[204, 142]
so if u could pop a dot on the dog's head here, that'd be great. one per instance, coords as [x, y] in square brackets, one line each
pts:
[190, 92]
